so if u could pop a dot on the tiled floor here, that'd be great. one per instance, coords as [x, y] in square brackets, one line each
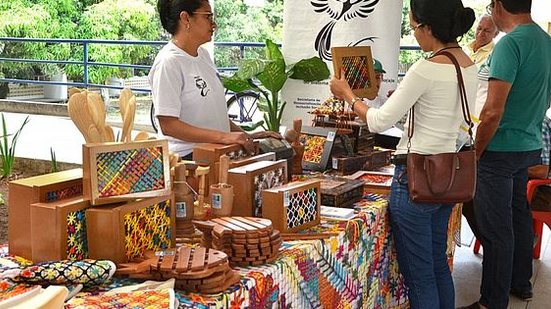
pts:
[468, 271]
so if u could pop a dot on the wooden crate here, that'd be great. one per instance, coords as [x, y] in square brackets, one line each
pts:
[294, 206]
[374, 182]
[123, 232]
[363, 161]
[58, 230]
[24, 192]
[340, 192]
[248, 182]
[211, 153]
[115, 172]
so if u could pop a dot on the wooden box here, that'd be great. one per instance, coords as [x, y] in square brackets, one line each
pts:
[115, 172]
[357, 64]
[58, 230]
[340, 192]
[374, 182]
[123, 232]
[294, 206]
[24, 192]
[211, 153]
[318, 143]
[248, 182]
[363, 161]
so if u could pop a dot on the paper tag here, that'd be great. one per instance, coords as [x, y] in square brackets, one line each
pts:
[216, 202]
[331, 136]
[335, 163]
[181, 210]
[286, 199]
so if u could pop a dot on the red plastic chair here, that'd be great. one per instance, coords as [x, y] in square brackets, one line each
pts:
[539, 217]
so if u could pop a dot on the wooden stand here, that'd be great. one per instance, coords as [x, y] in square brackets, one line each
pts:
[123, 232]
[248, 182]
[294, 206]
[39, 189]
[115, 172]
[58, 230]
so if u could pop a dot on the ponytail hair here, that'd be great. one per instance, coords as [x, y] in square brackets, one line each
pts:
[170, 10]
[448, 19]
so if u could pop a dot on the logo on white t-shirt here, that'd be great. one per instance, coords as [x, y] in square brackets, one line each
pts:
[202, 85]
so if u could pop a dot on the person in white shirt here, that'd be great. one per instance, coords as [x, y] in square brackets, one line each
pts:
[430, 87]
[187, 92]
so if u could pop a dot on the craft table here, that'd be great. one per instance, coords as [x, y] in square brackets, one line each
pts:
[355, 268]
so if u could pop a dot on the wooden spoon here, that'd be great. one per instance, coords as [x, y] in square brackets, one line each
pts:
[141, 136]
[96, 107]
[93, 133]
[77, 108]
[109, 135]
[129, 119]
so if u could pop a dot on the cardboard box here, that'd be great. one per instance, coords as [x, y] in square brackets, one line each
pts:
[24, 192]
[123, 232]
[115, 172]
[58, 230]
[248, 182]
[294, 206]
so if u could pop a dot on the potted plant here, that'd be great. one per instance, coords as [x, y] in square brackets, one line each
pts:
[268, 76]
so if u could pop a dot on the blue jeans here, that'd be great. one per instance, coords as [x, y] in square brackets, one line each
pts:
[504, 220]
[420, 233]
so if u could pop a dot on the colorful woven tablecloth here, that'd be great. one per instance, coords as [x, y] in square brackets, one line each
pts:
[356, 268]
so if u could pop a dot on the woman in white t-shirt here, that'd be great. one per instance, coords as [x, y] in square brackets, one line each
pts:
[187, 93]
[431, 88]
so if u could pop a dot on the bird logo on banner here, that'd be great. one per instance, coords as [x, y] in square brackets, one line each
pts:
[337, 10]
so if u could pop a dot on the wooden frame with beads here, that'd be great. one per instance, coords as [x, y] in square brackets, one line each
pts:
[358, 66]
[115, 172]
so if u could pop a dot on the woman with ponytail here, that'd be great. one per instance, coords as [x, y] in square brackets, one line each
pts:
[188, 95]
[430, 87]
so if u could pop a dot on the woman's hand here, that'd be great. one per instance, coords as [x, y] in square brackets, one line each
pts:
[242, 139]
[340, 88]
[266, 134]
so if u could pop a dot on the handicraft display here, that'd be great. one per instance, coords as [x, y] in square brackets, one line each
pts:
[294, 206]
[58, 230]
[115, 172]
[357, 65]
[39, 189]
[123, 232]
[248, 182]
[318, 143]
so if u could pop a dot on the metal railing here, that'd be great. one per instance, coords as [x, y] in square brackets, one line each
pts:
[86, 63]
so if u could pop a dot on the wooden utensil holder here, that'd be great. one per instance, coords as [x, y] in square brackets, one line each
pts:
[115, 172]
[248, 182]
[123, 232]
[39, 189]
[294, 206]
[58, 230]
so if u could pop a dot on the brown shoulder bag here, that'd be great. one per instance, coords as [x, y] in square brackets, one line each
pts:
[444, 177]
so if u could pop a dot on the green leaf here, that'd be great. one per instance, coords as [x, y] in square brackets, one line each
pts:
[308, 70]
[252, 126]
[236, 84]
[263, 106]
[273, 52]
[273, 77]
[249, 68]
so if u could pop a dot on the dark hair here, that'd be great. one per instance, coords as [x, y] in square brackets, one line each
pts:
[447, 19]
[516, 6]
[169, 12]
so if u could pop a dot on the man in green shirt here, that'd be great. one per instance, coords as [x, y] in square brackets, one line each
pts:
[508, 141]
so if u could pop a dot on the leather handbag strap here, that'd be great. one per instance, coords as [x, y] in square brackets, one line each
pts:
[462, 95]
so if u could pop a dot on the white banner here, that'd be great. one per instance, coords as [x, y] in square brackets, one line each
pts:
[312, 27]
